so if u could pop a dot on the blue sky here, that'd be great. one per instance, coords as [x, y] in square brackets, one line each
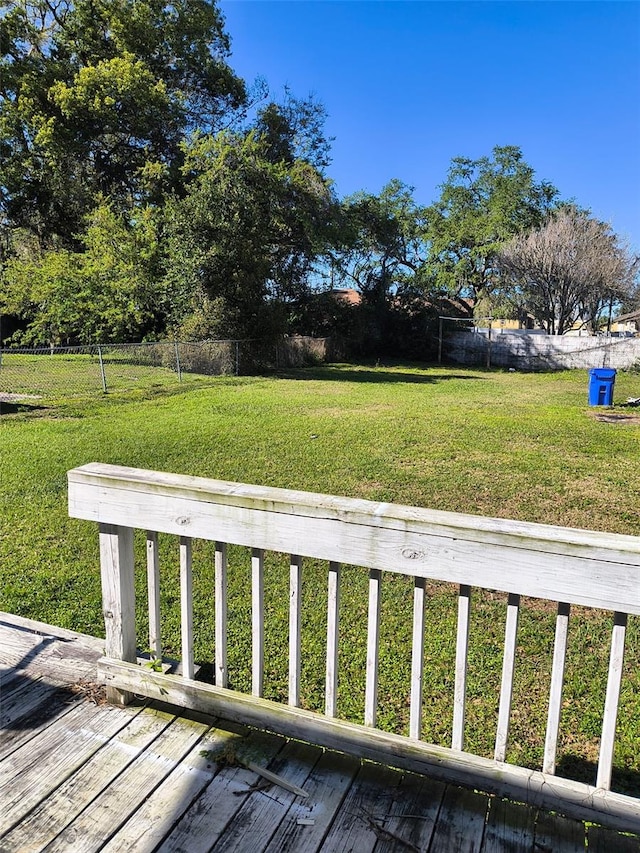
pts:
[408, 85]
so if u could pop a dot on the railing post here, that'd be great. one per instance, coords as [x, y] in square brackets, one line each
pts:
[118, 599]
[186, 607]
[257, 621]
[373, 650]
[220, 561]
[555, 694]
[508, 666]
[462, 654]
[295, 622]
[417, 657]
[333, 621]
[616, 661]
[153, 594]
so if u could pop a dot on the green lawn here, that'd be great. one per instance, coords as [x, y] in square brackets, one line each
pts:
[489, 442]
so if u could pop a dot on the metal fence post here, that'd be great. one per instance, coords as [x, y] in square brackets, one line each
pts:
[237, 357]
[178, 361]
[102, 373]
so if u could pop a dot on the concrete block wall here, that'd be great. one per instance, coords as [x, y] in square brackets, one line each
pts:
[542, 352]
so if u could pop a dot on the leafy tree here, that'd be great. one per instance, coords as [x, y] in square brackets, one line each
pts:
[383, 249]
[379, 251]
[483, 203]
[96, 98]
[631, 302]
[111, 119]
[105, 293]
[294, 130]
[567, 271]
[245, 236]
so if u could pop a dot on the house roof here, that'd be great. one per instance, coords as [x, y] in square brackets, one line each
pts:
[348, 296]
[632, 315]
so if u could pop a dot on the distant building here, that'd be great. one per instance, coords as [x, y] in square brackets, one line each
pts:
[348, 296]
[627, 325]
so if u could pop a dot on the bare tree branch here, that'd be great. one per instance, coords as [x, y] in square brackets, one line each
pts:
[568, 271]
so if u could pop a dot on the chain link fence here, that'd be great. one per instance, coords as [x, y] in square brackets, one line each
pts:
[76, 371]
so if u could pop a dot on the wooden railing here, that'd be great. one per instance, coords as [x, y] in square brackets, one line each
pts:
[562, 565]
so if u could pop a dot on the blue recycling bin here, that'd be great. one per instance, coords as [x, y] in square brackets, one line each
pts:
[601, 382]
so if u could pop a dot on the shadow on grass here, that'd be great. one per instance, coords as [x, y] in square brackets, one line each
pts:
[624, 781]
[14, 408]
[380, 375]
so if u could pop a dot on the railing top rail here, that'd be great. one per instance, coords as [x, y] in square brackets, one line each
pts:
[557, 563]
[291, 501]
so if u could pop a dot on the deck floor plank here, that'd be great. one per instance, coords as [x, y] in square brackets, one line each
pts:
[102, 818]
[261, 814]
[84, 777]
[10, 678]
[461, 822]
[209, 814]
[510, 826]
[308, 820]
[148, 825]
[557, 834]
[12, 683]
[25, 651]
[27, 709]
[30, 774]
[358, 827]
[66, 802]
[413, 814]
[608, 841]
[19, 646]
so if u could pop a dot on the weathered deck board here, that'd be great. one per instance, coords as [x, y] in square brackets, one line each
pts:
[556, 834]
[63, 805]
[85, 777]
[259, 817]
[360, 824]
[156, 817]
[608, 841]
[413, 813]
[510, 826]
[21, 702]
[208, 817]
[308, 820]
[120, 800]
[26, 652]
[31, 773]
[461, 822]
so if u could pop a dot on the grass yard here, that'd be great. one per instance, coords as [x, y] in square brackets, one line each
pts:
[494, 443]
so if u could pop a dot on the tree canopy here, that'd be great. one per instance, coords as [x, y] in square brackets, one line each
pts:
[105, 291]
[567, 271]
[482, 203]
[382, 245]
[247, 232]
[97, 96]
[147, 190]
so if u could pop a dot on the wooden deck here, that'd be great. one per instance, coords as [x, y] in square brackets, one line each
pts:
[77, 774]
